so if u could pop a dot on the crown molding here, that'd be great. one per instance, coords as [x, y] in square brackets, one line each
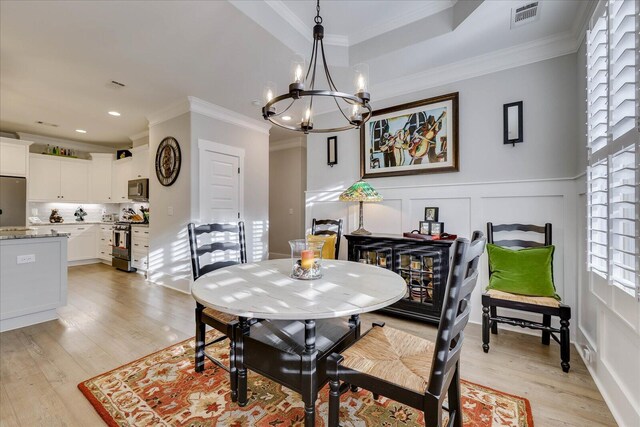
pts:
[169, 112]
[139, 135]
[527, 53]
[197, 105]
[291, 18]
[202, 107]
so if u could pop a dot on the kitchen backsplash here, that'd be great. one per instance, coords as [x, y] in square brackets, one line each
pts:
[66, 210]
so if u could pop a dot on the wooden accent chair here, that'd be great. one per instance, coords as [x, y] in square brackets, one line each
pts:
[328, 227]
[412, 370]
[492, 299]
[222, 322]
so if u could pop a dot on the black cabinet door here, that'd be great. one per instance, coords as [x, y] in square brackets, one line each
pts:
[424, 265]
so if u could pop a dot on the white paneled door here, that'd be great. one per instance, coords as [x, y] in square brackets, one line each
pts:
[220, 184]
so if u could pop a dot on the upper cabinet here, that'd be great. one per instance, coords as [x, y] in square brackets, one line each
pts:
[99, 180]
[100, 185]
[122, 173]
[56, 178]
[140, 166]
[14, 157]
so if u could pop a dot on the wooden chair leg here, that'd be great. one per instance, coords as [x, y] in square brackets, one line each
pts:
[485, 329]
[200, 339]
[334, 402]
[432, 411]
[565, 345]
[494, 324]
[546, 335]
[455, 405]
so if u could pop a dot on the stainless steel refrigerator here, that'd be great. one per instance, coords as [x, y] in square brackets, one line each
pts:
[13, 201]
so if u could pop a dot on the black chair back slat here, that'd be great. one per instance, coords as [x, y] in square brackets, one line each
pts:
[518, 227]
[197, 251]
[463, 276]
[216, 228]
[330, 227]
[218, 246]
[518, 243]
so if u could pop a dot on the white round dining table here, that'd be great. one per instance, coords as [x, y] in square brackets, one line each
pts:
[265, 290]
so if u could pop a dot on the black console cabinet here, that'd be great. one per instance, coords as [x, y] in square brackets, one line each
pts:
[423, 264]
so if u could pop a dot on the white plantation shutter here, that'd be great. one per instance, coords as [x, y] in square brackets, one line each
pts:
[613, 175]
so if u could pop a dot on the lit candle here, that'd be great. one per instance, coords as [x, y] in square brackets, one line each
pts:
[307, 259]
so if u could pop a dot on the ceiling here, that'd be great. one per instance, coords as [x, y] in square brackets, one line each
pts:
[59, 71]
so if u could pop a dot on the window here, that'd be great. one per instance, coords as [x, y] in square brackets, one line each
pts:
[613, 175]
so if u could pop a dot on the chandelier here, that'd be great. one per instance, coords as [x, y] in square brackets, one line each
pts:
[280, 109]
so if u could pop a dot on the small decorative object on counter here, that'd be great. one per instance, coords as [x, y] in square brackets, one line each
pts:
[80, 214]
[55, 217]
[145, 214]
[306, 259]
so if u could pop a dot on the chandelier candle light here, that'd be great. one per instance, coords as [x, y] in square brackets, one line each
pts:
[361, 192]
[354, 108]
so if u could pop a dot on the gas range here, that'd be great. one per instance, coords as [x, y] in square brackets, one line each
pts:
[121, 252]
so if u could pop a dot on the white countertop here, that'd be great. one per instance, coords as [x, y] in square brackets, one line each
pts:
[48, 224]
[264, 290]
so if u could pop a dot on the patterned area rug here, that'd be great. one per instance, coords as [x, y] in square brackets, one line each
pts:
[162, 389]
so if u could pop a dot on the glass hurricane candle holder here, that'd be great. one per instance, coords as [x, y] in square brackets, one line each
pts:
[306, 259]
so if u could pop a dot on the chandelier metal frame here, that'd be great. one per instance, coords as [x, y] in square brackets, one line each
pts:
[297, 91]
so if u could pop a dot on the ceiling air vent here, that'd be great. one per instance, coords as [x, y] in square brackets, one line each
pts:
[525, 14]
[53, 125]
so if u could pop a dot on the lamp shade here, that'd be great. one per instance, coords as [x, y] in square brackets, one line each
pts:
[361, 191]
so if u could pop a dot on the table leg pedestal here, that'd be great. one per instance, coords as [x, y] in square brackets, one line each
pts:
[309, 373]
[241, 369]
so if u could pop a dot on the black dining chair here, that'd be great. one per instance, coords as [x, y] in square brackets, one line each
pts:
[223, 322]
[546, 306]
[412, 370]
[328, 227]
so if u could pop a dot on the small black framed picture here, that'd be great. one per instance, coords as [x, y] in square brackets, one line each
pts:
[332, 150]
[424, 227]
[436, 228]
[431, 214]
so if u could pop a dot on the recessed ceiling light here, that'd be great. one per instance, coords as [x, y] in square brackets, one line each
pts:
[114, 113]
[286, 118]
[81, 131]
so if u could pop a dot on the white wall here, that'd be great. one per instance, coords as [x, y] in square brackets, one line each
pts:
[608, 320]
[287, 183]
[169, 259]
[533, 182]
[256, 176]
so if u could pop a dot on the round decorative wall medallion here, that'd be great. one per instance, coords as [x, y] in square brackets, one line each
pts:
[168, 159]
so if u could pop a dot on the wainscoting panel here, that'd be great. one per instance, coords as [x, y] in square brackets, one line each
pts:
[468, 207]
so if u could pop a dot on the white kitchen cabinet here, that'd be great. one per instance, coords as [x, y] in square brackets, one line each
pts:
[100, 177]
[105, 234]
[122, 173]
[14, 157]
[140, 247]
[74, 185]
[140, 162]
[58, 179]
[44, 178]
[81, 245]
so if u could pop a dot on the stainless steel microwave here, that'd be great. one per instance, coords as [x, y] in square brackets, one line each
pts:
[138, 190]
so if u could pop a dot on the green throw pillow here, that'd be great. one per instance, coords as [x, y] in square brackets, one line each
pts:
[526, 271]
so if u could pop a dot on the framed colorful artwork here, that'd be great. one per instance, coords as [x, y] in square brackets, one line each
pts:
[418, 137]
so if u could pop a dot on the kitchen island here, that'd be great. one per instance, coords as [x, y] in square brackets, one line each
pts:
[33, 276]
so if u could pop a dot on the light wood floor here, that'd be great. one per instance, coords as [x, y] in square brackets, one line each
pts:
[113, 317]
